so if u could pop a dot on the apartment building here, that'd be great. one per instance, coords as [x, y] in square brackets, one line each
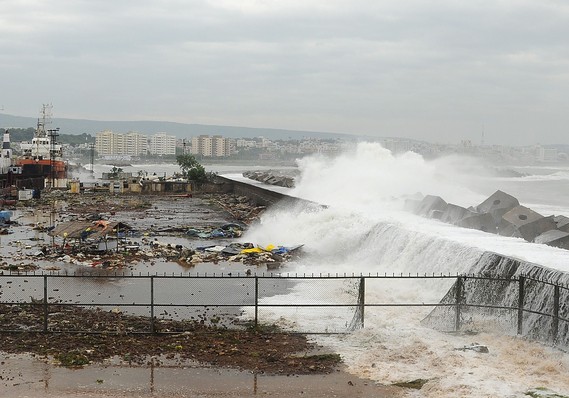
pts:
[108, 143]
[135, 144]
[162, 144]
[216, 146]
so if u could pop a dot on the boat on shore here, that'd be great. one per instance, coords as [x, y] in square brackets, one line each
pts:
[43, 156]
[39, 166]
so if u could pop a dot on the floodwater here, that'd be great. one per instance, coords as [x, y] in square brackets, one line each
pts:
[30, 377]
[162, 223]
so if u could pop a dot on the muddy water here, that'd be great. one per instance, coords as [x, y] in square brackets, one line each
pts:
[163, 222]
[21, 245]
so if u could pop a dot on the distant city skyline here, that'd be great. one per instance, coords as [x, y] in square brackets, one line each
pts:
[439, 72]
[188, 131]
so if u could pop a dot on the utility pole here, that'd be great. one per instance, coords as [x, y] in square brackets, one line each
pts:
[53, 134]
[92, 154]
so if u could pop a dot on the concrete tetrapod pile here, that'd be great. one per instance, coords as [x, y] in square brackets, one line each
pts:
[501, 214]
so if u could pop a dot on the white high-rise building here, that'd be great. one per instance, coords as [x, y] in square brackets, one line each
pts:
[108, 143]
[135, 144]
[162, 144]
[216, 146]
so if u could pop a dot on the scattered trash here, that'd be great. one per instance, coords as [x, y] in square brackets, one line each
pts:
[225, 231]
[541, 392]
[5, 216]
[93, 231]
[474, 347]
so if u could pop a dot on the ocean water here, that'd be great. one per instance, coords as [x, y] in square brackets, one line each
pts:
[365, 230]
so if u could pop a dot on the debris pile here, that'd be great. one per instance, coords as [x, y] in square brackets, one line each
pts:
[254, 349]
[246, 253]
[239, 207]
[110, 232]
[225, 231]
[474, 347]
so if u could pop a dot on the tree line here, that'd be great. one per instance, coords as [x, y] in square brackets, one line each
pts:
[20, 134]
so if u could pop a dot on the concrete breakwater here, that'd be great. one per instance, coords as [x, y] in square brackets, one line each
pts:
[271, 178]
[501, 214]
[259, 195]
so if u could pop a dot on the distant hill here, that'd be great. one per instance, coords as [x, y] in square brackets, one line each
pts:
[180, 130]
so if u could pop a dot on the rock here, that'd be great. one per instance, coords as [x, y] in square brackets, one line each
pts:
[554, 238]
[562, 223]
[454, 213]
[430, 203]
[412, 205]
[523, 222]
[498, 204]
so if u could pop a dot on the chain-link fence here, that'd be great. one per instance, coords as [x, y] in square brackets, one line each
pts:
[298, 303]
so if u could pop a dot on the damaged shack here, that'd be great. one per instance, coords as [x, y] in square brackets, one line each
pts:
[90, 236]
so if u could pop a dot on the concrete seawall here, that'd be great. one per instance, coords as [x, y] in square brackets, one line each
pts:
[257, 194]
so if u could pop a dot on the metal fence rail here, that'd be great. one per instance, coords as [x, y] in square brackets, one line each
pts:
[41, 302]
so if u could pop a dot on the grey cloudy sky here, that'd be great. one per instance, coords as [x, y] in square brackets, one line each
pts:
[438, 70]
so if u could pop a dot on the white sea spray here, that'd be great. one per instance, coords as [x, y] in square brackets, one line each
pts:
[364, 231]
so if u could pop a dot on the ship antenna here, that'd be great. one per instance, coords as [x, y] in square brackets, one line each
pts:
[45, 120]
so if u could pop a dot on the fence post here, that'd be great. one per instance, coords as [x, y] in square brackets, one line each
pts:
[458, 298]
[152, 326]
[521, 304]
[256, 301]
[45, 307]
[555, 312]
[362, 295]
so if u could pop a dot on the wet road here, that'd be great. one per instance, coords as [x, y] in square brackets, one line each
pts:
[24, 376]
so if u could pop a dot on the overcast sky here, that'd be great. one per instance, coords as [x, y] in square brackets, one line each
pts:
[438, 70]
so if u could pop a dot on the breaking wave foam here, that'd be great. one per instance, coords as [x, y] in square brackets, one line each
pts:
[364, 231]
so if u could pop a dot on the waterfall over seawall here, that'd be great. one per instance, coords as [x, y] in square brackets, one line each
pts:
[529, 290]
[363, 231]
[337, 240]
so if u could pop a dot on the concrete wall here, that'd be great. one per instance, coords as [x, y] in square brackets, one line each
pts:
[163, 186]
[257, 194]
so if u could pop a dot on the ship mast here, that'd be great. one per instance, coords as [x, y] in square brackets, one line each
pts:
[44, 120]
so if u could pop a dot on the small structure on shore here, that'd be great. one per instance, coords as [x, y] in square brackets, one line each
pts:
[100, 235]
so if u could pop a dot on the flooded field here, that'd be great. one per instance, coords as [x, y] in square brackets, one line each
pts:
[159, 226]
[152, 219]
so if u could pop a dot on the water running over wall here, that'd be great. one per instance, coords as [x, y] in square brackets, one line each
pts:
[364, 231]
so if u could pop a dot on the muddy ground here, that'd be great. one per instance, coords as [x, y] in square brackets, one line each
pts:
[156, 218]
[260, 350]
